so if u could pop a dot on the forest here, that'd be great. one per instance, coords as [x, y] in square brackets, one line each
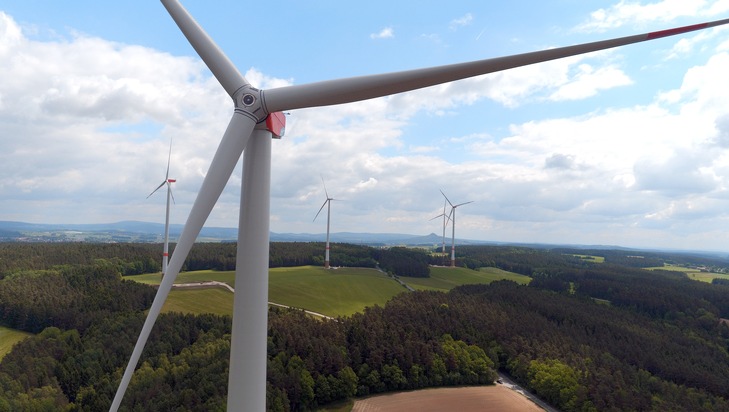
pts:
[583, 336]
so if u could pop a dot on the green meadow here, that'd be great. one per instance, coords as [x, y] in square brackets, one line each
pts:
[8, 338]
[333, 292]
[188, 277]
[591, 258]
[692, 273]
[446, 278]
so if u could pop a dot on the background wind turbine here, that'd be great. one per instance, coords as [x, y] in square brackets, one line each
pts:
[452, 216]
[256, 118]
[168, 182]
[328, 204]
[446, 218]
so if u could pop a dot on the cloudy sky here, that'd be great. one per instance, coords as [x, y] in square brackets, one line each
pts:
[625, 147]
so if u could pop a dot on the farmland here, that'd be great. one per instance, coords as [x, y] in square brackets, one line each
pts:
[334, 292]
[8, 338]
[694, 273]
[446, 278]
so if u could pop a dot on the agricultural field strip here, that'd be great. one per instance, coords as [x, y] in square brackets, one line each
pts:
[8, 338]
[693, 273]
[315, 290]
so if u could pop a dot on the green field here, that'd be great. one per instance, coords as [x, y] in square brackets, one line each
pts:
[693, 273]
[334, 292]
[591, 258]
[188, 277]
[446, 278]
[8, 338]
[331, 292]
[215, 300]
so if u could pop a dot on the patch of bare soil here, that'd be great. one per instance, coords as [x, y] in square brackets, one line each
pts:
[496, 398]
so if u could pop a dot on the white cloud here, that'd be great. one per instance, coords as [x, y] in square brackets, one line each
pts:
[386, 33]
[93, 119]
[635, 13]
[462, 21]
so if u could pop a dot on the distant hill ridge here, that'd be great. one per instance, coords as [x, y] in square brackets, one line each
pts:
[147, 231]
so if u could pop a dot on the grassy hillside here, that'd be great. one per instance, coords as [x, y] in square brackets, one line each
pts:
[188, 277]
[445, 278]
[215, 300]
[693, 273]
[8, 338]
[334, 292]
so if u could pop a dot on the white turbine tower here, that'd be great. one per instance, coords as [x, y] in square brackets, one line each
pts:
[446, 218]
[452, 216]
[168, 182]
[256, 118]
[328, 204]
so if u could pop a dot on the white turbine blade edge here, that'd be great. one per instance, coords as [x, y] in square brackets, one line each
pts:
[229, 151]
[325, 186]
[464, 203]
[169, 157]
[218, 63]
[446, 198]
[354, 89]
[169, 187]
[160, 185]
[320, 209]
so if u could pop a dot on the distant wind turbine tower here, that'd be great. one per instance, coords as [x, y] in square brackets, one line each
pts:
[328, 204]
[168, 182]
[446, 218]
[258, 116]
[453, 227]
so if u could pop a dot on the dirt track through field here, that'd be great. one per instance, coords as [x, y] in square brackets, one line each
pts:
[469, 399]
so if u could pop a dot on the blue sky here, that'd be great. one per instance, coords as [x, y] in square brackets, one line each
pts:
[624, 147]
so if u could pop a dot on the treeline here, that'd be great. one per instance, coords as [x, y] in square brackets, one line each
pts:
[404, 261]
[521, 260]
[69, 296]
[130, 258]
[139, 258]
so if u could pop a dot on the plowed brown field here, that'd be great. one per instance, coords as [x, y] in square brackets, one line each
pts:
[469, 399]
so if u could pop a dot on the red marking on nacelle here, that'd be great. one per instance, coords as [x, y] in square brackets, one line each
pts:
[172, 180]
[276, 124]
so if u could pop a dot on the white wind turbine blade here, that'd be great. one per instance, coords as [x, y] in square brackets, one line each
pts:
[160, 185]
[325, 186]
[229, 151]
[234, 141]
[218, 63]
[355, 89]
[446, 198]
[320, 209]
[169, 157]
[169, 187]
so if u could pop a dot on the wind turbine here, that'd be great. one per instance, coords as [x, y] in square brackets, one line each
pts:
[328, 204]
[168, 182]
[446, 218]
[452, 216]
[257, 117]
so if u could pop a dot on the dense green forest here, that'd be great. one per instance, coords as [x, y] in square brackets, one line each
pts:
[584, 336]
